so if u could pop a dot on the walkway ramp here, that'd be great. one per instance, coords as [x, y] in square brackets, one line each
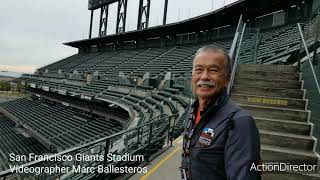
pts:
[166, 166]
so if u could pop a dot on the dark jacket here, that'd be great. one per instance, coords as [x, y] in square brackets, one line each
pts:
[230, 149]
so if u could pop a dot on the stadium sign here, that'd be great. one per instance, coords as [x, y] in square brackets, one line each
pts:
[62, 92]
[86, 97]
[33, 85]
[45, 88]
[65, 104]
[74, 94]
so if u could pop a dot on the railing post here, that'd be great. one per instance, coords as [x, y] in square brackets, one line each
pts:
[169, 131]
[255, 51]
[138, 138]
[45, 176]
[149, 142]
[299, 63]
[174, 125]
[106, 151]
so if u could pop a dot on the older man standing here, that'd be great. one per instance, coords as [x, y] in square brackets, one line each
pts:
[221, 140]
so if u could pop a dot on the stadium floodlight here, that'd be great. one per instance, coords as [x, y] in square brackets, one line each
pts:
[95, 4]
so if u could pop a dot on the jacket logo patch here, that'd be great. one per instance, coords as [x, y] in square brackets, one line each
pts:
[208, 131]
[206, 137]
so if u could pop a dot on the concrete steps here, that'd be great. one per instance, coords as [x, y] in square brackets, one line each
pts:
[276, 153]
[267, 68]
[268, 75]
[268, 91]
[279, 83]
[274, 96]
[277, 113]
[284, 126]
[269, 101]
[298, 142]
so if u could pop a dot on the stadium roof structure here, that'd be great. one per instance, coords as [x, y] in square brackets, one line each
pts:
[230, 13]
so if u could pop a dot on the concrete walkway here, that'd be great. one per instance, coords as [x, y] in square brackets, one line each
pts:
[164, 167]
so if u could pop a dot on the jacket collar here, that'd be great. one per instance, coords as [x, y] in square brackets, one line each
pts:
[212, 108]
[220, 101]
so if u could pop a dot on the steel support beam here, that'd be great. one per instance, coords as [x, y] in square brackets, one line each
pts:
[165, 12]
[90, 29]
[144, 12]
[103, 21]
[121, 17]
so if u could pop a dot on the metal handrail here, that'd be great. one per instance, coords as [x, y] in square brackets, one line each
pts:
[240, 43]
[90, 144]
[235, 64]
[309, 59]
[235, 39]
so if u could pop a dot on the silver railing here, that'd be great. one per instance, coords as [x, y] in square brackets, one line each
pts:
[309, 58]
[144, 140]
[234, 51]
[310, 72]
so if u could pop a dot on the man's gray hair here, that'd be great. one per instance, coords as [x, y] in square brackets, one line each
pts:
[216, 49]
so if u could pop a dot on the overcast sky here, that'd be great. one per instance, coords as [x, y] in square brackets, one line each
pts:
[32, 31]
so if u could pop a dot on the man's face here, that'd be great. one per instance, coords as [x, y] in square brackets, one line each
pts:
[209, 75]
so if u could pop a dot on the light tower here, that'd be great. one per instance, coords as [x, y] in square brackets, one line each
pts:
[103, 5]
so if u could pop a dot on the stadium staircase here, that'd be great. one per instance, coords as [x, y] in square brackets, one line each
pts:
[275, 97]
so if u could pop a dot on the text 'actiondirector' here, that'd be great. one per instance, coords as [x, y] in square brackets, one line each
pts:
[77, 157]
[283, 166]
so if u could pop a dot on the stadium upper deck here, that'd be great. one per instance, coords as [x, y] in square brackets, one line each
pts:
[230, 14]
